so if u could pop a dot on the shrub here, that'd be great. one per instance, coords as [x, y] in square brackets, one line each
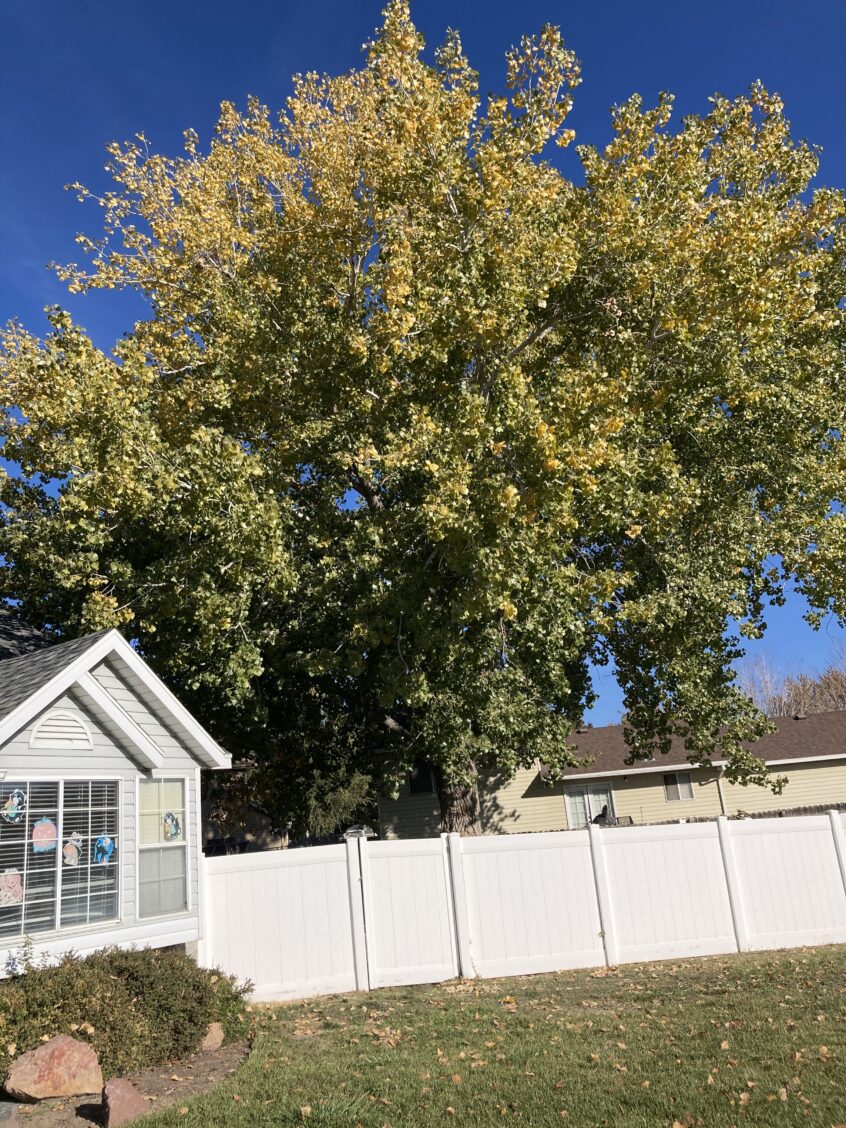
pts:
[137, 1007]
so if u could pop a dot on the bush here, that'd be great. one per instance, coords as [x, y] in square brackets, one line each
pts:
[136, 1007]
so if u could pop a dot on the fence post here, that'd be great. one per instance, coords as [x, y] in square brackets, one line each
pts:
[359, 933]
[839, 843]
[459, 900]
[450, 895]
[203, 940]
[733, 883]
[369, 915]
[603, 894]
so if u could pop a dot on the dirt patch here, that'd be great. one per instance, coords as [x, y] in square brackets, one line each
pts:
[162, 1087]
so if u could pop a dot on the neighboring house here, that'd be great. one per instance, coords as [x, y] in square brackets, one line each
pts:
[809, 751]
[100, 767]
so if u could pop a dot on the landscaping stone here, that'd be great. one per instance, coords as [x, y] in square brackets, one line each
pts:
[62, 1067]
[214, 1037]
[122, 1103]
[8, 1114]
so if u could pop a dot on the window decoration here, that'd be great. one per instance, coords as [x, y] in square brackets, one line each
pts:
[45, 835]
[43, 888]
[163, 849]
[14, 807]
[104, 847]
[11, 888]
[72, 850]
[171, 825]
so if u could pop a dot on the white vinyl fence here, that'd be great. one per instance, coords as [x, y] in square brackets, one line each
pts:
[375, 914]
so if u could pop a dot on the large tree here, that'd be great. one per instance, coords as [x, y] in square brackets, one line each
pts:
[417, 428]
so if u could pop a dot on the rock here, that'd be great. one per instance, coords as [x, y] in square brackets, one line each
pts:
[8, 1113]
[122, 1103]
[214, 1037]
[62, 1067]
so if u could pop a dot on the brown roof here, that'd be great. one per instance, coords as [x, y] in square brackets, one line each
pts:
[816, 735]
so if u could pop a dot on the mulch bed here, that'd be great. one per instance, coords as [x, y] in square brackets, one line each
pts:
[164, 1086]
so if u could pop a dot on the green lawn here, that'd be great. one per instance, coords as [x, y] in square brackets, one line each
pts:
[745, 1040]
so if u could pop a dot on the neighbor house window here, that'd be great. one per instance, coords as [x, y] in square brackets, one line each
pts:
[678, 786]
[420, 779]
[163, 848]
[59, 855]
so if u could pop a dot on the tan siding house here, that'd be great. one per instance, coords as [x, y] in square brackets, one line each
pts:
[809, 752]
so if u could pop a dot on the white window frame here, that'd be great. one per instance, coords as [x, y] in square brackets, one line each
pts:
[70, 929]
[679, 777]
[571, 789]
[184, 844]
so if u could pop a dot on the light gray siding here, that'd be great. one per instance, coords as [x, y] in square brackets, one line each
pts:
[177, 757]
[108, 758]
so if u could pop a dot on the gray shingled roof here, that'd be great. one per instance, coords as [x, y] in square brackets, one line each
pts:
[22, 676]
[17, 637]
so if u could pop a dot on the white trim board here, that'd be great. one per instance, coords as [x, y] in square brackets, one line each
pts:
[687, 766]
[78, 672]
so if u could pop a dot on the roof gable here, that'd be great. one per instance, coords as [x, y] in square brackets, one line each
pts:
[29, 683]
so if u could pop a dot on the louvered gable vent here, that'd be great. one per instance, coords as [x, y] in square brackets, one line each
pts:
[60, 729]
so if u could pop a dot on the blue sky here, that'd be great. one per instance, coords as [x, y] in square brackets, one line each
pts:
[76, 75]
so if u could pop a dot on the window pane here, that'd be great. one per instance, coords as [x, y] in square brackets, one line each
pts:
[103, 907]
[421, 781]
[172, 794]
[77, 795]
[162, 884]
[104, 822]
[577, 810]
[104, 795]
[672, 787]
[150, 794]
[685, 785]
[150, 833]
[74, 908]
[599, 800]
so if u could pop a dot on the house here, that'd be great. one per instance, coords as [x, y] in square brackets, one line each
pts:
[810, 752]
[100, 838]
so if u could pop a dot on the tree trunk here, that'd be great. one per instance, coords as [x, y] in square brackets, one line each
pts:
[460, 812]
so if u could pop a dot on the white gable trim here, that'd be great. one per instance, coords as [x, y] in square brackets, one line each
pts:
[145, 751]
[209, 751]
[78, 671]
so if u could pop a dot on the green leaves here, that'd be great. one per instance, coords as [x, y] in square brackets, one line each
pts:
[417, 429]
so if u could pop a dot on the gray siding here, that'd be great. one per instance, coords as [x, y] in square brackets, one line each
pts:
[109, 759]
[177, 757]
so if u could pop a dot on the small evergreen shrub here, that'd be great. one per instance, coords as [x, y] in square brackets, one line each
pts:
[136, 1007]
